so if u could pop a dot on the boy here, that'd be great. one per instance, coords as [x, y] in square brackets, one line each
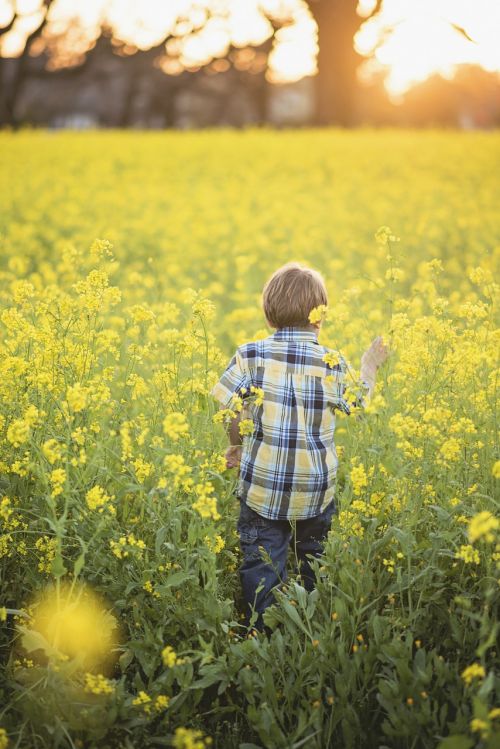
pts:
[284, 391]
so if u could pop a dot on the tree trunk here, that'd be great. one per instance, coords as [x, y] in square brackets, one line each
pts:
[11, 85]
[336, 82]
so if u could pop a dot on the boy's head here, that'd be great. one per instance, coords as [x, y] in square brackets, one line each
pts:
[290, 295]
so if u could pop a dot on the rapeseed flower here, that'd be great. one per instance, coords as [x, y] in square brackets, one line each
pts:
[175, 426]
[472, 672]
[468, 554]
[483, 526]
[189, 738]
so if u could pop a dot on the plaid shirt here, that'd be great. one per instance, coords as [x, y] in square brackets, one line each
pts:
[289, 464]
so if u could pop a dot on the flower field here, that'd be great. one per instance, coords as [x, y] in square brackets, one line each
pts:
[131, 266]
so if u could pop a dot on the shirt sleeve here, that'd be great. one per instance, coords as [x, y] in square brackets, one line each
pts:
[336, 397]
[233, 381]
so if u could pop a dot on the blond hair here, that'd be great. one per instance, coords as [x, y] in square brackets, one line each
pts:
[290, 295]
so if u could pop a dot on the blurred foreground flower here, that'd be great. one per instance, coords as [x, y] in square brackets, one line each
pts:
[72, 622]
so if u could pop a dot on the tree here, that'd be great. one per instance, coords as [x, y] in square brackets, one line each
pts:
[337, 83]
[141, 72]
[13, 72]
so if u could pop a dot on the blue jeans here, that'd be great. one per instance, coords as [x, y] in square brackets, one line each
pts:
[275, 536]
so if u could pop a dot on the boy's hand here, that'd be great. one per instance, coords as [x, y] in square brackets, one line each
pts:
[376, 354]
[233, 456]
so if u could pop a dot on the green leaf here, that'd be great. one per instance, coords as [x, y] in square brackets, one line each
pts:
[160, 538]
[58, 569]
[378, 623]
[489, 642]
[78, 565]
[294, 616]
[32, 640]
[176, 579]
[456, 742]
[125, 660]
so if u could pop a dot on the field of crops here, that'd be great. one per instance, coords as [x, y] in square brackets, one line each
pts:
[131, 266]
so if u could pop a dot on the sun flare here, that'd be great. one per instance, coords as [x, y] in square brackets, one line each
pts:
[408, 40]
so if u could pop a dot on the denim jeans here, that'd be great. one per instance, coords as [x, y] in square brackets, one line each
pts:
[275, 536]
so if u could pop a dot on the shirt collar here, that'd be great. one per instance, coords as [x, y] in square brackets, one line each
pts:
[293, 333]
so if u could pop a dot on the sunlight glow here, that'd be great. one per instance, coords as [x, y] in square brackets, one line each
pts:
[418, 39]
[408, 40]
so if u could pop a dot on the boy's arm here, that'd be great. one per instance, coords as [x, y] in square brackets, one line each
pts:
[371, 360]
[233, 431]
[368, 373]
[234, 381]
[233, 452]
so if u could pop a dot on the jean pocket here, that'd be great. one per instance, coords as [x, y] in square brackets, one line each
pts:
[249, 516]
[248, 533]
[249, 523]
[324, 520]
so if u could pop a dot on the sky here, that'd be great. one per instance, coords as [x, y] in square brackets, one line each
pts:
[408, 40]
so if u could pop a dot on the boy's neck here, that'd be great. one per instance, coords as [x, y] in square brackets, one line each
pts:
[310, 327]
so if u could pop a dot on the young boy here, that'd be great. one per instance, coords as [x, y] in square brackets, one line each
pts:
[285, 390]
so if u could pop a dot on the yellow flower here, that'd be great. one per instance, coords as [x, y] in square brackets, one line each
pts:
[47, 548]
[481, 526]
[479, 726]
[384, 235]
[98, 684]
[161, 702]
[97, 499]
[394, 274]
[216, 545]
[451, 449]
[4, 739]
[143, 700]
[205, 504]
[142, 469]
[57, 479]
[435, 265]
[52, 451]
[388, 564]
[259, 395]
[359, 479]
[468, 554]
[474, 671]
[76, 396]
[246, 427]
[175, 426]
[76, 622]
[101, 248]
[22, 290]
[495, 471]
[332, 358]
[318, 313]
[126, 545]
[189, 738]
[169, 657]
[18, 432]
